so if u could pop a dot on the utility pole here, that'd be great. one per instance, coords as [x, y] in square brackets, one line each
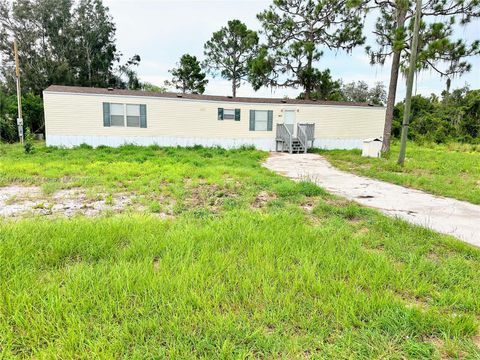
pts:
[19, 92]
[410, 78]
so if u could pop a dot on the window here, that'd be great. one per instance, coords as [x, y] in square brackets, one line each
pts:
[228, 114]
[261, 120]
[117, 115]
[130, 115]
[133, 115]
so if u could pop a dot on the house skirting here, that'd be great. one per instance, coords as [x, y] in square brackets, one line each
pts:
[267, 144]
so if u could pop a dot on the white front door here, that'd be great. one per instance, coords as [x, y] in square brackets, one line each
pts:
[289, 120]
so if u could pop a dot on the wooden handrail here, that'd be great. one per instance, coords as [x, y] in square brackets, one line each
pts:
[302, 136]
[284, 134]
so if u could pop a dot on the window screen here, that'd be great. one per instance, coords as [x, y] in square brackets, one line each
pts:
[117, 115]
[228, 114]
[261, 120]
[133, 115]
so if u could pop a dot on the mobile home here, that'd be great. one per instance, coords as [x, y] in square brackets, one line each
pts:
[113, 117]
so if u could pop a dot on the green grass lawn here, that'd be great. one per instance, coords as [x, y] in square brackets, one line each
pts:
[250, 265]
[447, 170]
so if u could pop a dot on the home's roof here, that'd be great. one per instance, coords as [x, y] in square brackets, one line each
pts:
[251, 100]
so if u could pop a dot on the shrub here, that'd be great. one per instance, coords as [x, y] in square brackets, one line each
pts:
[28, 142]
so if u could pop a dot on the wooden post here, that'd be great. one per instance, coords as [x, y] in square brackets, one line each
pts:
[410, 78]
[19, 92]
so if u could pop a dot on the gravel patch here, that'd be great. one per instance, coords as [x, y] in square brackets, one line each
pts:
[25, 201]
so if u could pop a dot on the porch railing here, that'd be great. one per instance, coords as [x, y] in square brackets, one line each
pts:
[302, 137]
[309, 130]
[285, 137]
[305, 136]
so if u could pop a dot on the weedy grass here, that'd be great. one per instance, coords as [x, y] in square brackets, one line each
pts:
[451, 170]
[276, 269]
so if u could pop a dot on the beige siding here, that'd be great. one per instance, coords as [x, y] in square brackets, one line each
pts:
[82, 114]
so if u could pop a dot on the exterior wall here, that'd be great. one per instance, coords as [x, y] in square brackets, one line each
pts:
[72, 119]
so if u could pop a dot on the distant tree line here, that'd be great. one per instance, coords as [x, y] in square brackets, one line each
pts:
[455, 116]
[73, 43]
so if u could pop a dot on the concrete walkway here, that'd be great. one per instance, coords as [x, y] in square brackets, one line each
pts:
[453, 217]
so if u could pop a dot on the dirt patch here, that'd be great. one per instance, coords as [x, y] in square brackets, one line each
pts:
[22, 201]
[476, 340]
[210, 196]
[262, 199]
[412, 301]
[363, 230]
[439, 345]
[156, 263]
[309, 205]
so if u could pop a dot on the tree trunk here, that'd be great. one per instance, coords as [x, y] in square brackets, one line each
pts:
[309, 71]
[234, 88]
[392, 87]
[308, 93]
[410, 79]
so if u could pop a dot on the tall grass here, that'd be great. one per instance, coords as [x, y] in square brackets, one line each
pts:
[277, 270]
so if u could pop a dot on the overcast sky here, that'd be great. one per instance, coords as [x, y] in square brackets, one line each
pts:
[160, 31]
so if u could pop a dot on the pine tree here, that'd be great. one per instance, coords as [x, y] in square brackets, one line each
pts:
[188, 76]
[437, 50]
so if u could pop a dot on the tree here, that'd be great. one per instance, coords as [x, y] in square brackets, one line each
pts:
[361, 92]
[41, 28]
[146, 86]
[325, 88]
[96, 50]
[125, 77]
[188, 76]
[294, 31]
[61, 42]
[32, 106]
[453, 117]
[437, 49]
[412, 63]
[230, 50]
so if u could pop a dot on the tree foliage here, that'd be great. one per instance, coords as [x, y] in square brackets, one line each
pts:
[438, 50]
[453, 117]
[188, 77]
[295, 31]
[32, 106]
[325, 88]
[146, 86]
[62, 42]
[230, 51]
[360, 92]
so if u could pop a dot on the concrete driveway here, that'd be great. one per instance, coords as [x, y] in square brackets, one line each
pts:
[453, 217]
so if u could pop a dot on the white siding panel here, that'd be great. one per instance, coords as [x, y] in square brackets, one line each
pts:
[114, 141]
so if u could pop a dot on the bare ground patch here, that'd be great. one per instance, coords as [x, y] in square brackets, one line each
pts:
[209, 196]
[262, 199]
[24, 201]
